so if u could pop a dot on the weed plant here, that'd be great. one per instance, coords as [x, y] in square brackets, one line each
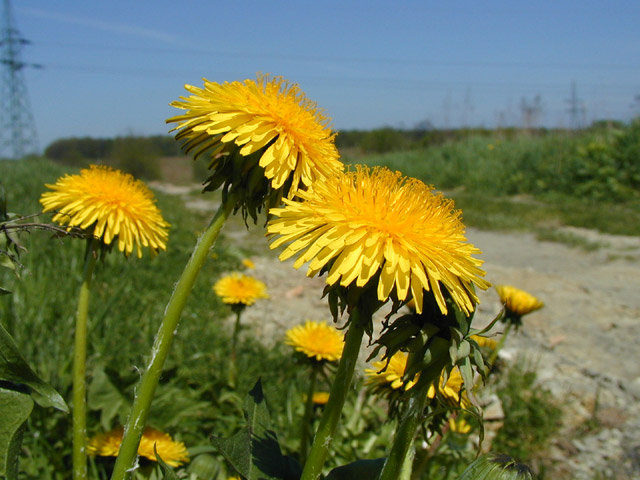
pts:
[532, 417]
[194, 401]
[556, 179]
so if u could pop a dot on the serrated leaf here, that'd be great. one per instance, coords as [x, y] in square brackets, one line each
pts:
[15, 408]
[14, 369]
[493, 466]
[254, 451]
[360, 469]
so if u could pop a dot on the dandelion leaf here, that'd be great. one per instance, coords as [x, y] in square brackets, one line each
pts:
[15, 408]
[360, 469]
[15, 370]
[105, 396]
[254, 451]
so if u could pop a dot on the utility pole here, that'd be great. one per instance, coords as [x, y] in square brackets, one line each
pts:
[576, 109]
[18, 135]
[531, 111]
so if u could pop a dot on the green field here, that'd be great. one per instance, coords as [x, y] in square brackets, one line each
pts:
[523, 182]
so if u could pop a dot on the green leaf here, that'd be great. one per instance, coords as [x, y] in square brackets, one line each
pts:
[15, 408]
[204, 465]
[254, 451]
[4, 292]
[14, 369]
[495, 466]
[360, 469]
[105, 396]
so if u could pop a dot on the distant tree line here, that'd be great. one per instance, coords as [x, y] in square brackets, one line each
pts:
[138, 154]
[134, 154]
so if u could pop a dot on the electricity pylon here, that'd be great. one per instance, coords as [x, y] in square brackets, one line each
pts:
[18, 135]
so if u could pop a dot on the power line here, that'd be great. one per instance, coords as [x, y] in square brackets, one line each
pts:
[339, 59]
[18, 135]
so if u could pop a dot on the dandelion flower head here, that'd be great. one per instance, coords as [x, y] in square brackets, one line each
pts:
[111, 205]
[248, 264]
[486, 342]
[172, 453]
[459, 425]
[452, 390]
[320, 398]
[390, 375]
[268, 116]
[238, 288]
[367, 222]
[317, 340]
[516, 301]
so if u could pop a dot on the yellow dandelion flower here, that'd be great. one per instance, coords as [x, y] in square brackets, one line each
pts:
[516, 301]
[172, 453]
[109, 204]
[248, 263]
[390, 376]
[368, 222]
[452, 390]
[459, 425]
[485, 341]
[237, 288]
[383, 375]
[320, 398]
[268, 116]
[316, 340]
[106, 444]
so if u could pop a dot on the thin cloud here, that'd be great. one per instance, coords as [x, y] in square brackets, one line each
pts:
[111, 27]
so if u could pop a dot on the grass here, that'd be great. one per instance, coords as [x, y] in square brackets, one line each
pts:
[532, 417]
[127, 302]
[522, 184]
[499, 184]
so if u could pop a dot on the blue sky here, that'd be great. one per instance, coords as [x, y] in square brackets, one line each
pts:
[111, 68]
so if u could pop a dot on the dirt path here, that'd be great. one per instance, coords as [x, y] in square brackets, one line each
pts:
[584, 342]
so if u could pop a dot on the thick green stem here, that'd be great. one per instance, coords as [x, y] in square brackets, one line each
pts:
[162, 344]
[80, 365]
[414, 413]
[305, 427]
[333, 409]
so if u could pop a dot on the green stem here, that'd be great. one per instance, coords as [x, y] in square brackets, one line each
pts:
[414, 413]
[496, 351]
[308, 410]
[80, 365]
[162, 344]
[233, 368]
[333, 409]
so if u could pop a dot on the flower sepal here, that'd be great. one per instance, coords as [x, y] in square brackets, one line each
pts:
[364, 299]
[242, 181]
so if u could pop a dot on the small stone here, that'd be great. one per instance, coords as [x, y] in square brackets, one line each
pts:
[633, 387]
